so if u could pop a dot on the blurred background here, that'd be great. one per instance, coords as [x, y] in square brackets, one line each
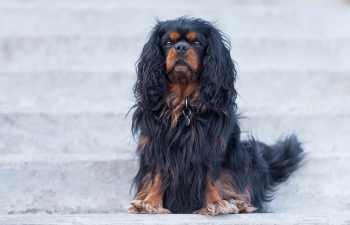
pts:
[66, 77]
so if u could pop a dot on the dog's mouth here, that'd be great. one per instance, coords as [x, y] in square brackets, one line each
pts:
[181, 66]
[182, 70]
[181, 62]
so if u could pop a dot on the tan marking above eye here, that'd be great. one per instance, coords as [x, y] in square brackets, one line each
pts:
[174, 36]
[191, 36]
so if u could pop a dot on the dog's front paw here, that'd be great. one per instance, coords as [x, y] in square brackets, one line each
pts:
[138, 206]
[218, 208]
[223, 207]
[242, 206]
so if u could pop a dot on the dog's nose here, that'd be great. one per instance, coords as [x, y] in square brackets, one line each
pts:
[181, 48]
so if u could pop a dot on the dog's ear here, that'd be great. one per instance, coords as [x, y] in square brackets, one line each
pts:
[219, 73]
[151, 82]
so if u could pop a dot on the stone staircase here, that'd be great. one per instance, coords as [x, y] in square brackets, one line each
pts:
[66, 77]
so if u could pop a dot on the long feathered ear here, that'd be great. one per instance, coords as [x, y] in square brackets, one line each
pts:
[151, 83]
[219, 73]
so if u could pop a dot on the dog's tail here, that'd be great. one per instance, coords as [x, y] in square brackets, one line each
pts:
[271, 165]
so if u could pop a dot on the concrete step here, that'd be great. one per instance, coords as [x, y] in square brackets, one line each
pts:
[111, 92]
[113, 54]
[289, 91]
[100, 183]
[134, 19]
[325, 134]
[67, 92]
[241, 219]
[65, 133]
[65, 183]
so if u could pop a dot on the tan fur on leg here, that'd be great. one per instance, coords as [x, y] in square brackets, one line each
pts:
[228, 192]
[219, 198]
[149, 200]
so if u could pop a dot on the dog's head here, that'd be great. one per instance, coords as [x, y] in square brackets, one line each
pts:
[183, 50]
[191, 52]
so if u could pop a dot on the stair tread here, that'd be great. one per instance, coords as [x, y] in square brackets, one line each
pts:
[262, 218]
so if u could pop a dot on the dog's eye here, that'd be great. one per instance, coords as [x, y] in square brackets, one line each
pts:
[167, 43]
[197, 43]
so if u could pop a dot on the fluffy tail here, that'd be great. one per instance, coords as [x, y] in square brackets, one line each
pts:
[272, 165]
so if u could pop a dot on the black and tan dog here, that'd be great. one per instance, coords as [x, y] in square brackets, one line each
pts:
[192, 159]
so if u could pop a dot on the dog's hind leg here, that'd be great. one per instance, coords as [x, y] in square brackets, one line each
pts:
[149, 200]
[216, 205]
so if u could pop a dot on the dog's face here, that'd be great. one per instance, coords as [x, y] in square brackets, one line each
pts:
[192, 54]
[183, 50]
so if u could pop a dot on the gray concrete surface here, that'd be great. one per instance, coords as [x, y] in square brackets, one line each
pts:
[112, 54]
[64, 133]
[79, 92]
[100, 183]
[134, 19]
[65, 183]
[323, 133]
[66, 76]
[241, 219]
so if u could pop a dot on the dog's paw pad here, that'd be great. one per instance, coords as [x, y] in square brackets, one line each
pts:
[140, 207]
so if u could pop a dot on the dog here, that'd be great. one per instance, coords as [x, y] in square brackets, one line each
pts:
[191, 156]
